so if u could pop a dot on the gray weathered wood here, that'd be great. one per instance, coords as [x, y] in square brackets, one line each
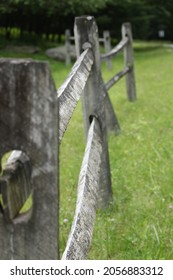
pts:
[85, 30]
[88, 188]
[112, 123]
[116, 49]
[116, 78]
[15, 184]
[28, 122]
[107, 45]
[67, 47]
[129, 62]
[71, 90]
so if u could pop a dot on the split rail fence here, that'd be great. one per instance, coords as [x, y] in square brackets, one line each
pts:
[106, 40]
[28, 124]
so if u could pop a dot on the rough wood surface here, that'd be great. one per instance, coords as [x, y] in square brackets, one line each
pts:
[86, 31]
[28, 122]
[88, 188]
[15, 184]
[67, 47]
[116, 49]
[116, 78]
[71, 90]
[112, 122]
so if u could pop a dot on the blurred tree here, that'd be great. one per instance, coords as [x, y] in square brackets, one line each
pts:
[146, 16]
[48, 16]
[54, 16]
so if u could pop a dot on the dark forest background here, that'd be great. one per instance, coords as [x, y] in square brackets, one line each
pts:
[54, 16]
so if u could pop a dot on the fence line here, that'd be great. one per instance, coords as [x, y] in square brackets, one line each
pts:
[85, 30]
[94, 186]
[28, 104]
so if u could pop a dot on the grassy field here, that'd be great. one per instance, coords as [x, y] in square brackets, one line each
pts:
[139, 222]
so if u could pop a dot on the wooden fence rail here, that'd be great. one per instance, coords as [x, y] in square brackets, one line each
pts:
[71, 90]
[88, 189]
[30, 113]
[115, 50]
[106, 40]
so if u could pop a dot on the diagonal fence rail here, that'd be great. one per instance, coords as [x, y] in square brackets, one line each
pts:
[88, 189]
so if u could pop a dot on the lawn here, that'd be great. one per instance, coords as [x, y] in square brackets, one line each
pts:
[139, 222]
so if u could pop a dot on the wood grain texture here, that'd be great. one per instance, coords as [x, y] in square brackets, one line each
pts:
[86, 31]
[67, 47]
[28, 122]
[71, 90]
[88, 188]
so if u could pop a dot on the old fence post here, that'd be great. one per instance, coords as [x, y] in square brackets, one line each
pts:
[86, 35]
[28, 123]
[67, 47]
[129, 62]
[107, 45]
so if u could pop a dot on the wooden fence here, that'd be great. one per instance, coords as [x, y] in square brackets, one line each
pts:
[28, 123]
[94, 187]
[106, 40]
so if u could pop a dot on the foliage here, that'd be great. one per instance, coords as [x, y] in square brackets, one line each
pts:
[146, 17]
[54, 16]
[42, 16]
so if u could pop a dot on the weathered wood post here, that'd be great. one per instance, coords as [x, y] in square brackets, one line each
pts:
[29, 123]
[86, 35]
[67, 47]
[129, 62]
[107, 45]
[111, 119]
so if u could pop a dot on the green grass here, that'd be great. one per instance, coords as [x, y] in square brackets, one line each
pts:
[139, 222]
[138, 225]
